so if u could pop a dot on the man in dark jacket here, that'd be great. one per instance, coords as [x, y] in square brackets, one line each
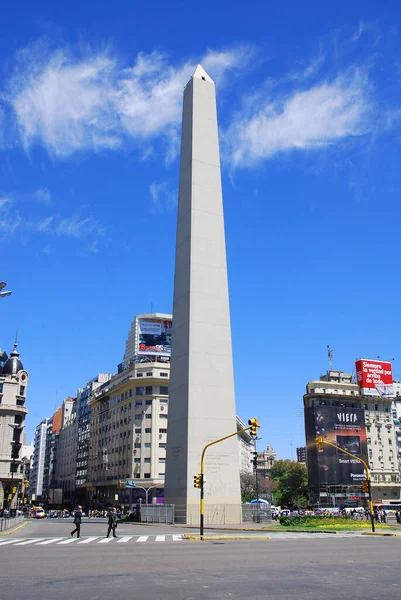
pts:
[77, 522]
[112, 522]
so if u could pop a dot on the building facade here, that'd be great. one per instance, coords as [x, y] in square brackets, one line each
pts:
[13, 387]
[67, 457]
[83, 411]
[265, 461]
[301, 454]
[337, 389]
[38, 461]
[128, 434]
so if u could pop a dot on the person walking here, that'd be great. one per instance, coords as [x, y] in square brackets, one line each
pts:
[77, 522]
[112, 522]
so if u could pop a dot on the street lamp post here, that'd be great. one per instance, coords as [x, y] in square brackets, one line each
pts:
[6, 292]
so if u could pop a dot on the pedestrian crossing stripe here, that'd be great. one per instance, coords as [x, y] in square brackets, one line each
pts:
[59, 541]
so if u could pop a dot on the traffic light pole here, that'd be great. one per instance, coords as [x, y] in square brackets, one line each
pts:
[202, 473]
[320, 440]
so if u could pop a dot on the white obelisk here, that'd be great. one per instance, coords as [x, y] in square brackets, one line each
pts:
[201, 391]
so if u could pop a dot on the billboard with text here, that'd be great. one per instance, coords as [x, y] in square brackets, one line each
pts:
[154, 337]
[344, 427]
[373, 376]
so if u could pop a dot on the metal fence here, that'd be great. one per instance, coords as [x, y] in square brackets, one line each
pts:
[6, 524]
[157, 513]
[256, 513]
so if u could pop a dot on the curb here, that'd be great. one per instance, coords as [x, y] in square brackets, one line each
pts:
[377, 533]
[211, 538]
[10, 531]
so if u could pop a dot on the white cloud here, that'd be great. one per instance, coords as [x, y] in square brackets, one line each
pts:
[303, 119]
[43, 195]
[92, 103]
[5, 203]
[164, 198]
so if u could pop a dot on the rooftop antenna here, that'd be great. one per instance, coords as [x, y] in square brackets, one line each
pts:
[16, 337]
[151, 307]
[330, 356]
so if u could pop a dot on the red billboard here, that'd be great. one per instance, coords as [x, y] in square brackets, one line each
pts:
[373, 373]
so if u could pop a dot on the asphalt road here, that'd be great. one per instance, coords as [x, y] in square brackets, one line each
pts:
[280, 568]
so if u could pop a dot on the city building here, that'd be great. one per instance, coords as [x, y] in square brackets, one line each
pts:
[84, 395]
[67, 458]
[301, 454]
[38, 461]
[334, 403]
[13, 387]
[265, 461]
[129, 434]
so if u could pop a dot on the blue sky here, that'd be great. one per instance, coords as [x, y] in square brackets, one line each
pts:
[310, 129]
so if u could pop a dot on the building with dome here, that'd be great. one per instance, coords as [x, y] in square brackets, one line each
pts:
[13, 386]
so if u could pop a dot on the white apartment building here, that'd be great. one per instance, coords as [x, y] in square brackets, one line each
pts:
[38, 461]
[67, 455]
[13, 386]
[129, 433]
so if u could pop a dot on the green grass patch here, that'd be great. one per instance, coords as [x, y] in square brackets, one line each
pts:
[329, 523]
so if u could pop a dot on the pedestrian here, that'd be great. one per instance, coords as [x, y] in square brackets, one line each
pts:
[112, 522]
[77, 522]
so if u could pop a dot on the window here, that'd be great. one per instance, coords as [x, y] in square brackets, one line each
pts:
[148, 445]
[137, 461]
[164, 389]
[161, 416]
[162, 460]
[137, 430]
[147, 476]
[147, 460]
[148, 416]
[138, 403]
[148, 430]
[148, 390]
[163, 401]
[140, 391]
[1, 388]
[162, 475]
[162, 445]
[137, 445]
[138, 417]
[139, 374]
[163, 374]
[162, 430]
[149, 374]
[148, 402]
[22, 390]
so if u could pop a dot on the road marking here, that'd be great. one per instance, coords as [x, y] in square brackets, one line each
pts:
[160, 538]
[105, 540]
[11, 541]
[177, 538]
[27, 542]
[88, 540]
[143, 538]
[125, 539]
[49, 541]
[67, 541]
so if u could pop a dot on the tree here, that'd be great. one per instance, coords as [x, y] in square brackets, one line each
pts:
[248, 486]
[292, 483]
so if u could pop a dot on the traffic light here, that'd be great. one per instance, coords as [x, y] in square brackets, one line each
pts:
[319, 442]
[365, 486]
[120, 483]
[14, 490]
[25, 500]
[26, 484]
[198, 481]
[254, 424]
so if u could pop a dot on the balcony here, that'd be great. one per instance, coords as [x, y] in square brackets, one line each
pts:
[13, 408]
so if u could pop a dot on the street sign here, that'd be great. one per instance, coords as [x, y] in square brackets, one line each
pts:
[130, 483]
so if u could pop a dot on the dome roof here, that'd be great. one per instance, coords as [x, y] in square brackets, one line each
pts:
[13, 364]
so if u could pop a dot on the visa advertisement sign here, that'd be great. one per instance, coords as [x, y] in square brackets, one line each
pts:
[374, 377]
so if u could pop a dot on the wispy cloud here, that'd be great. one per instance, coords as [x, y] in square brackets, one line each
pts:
[70, 104]
[43, 195]
[78, 226]
[164, 197]
[306, 119]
